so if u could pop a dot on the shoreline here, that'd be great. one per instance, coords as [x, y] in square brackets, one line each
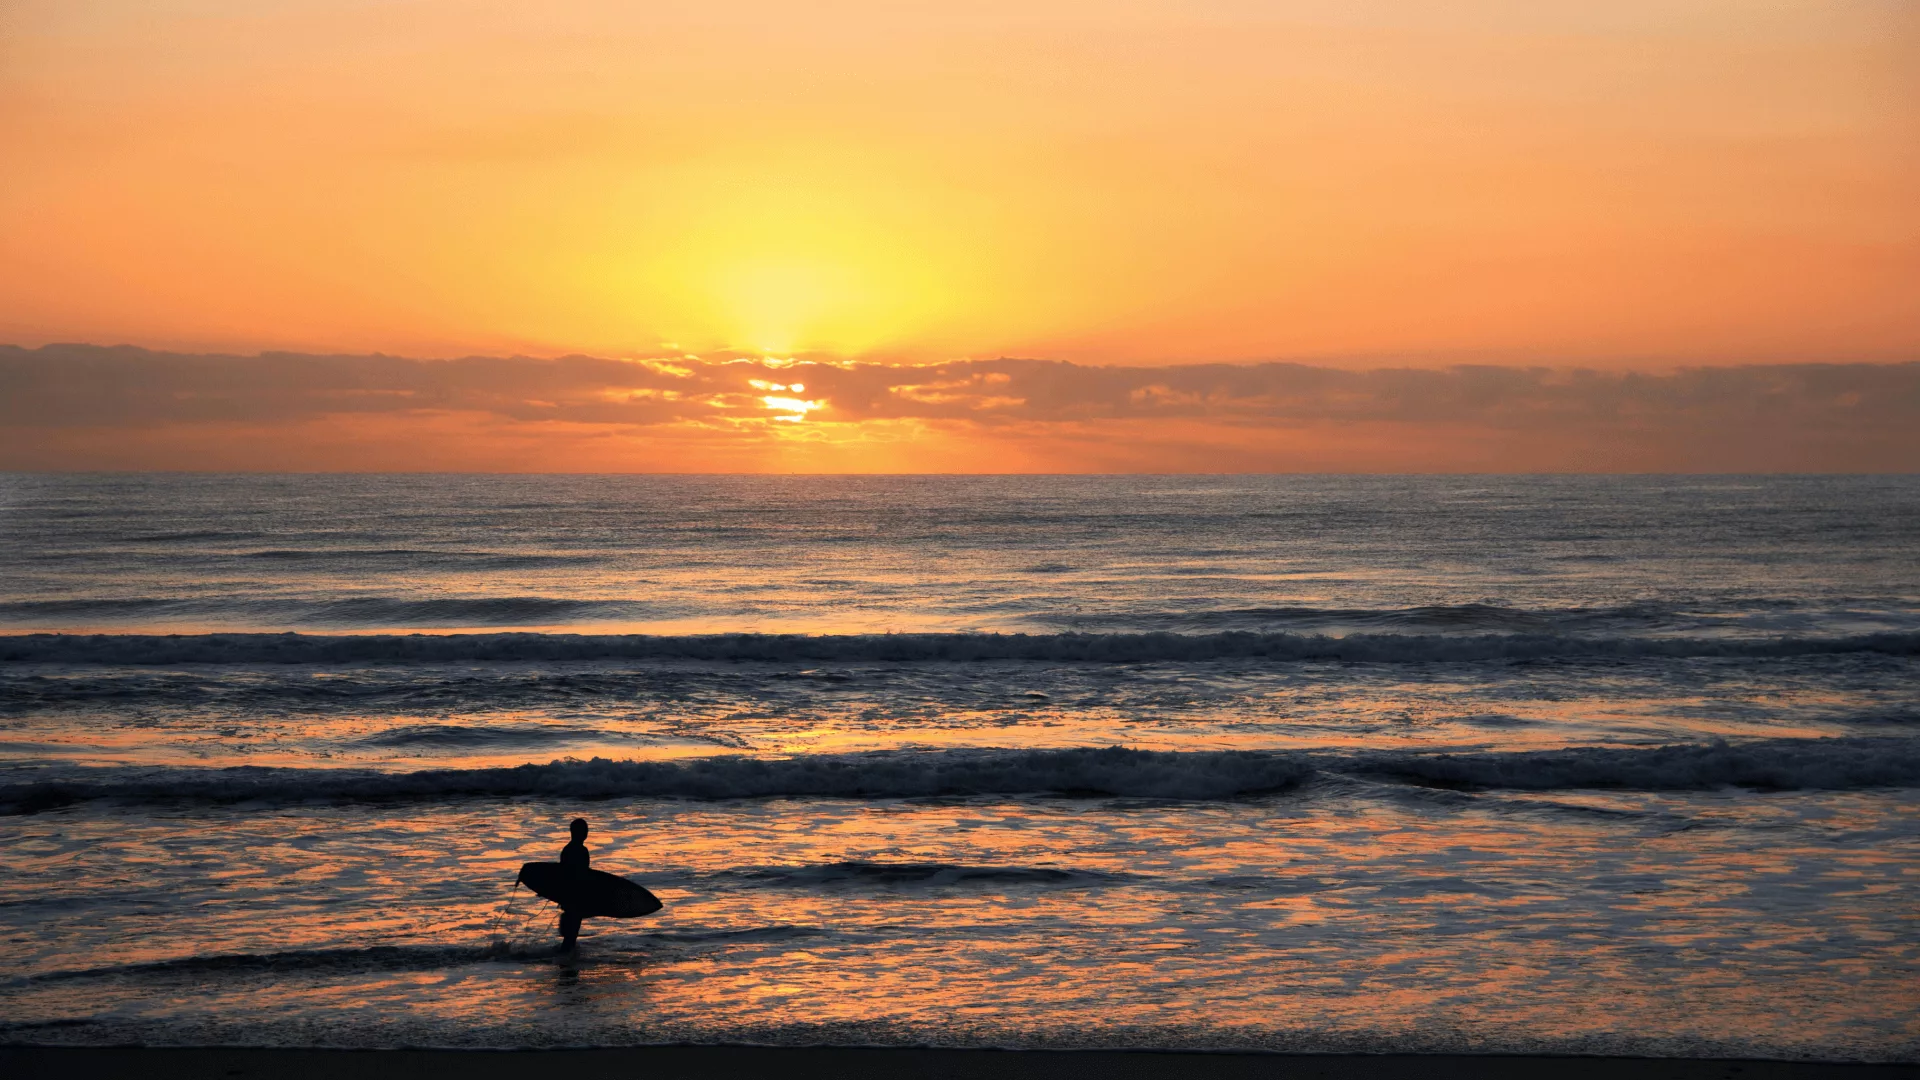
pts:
[681, 1062]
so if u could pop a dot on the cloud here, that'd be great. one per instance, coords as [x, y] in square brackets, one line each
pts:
[1760, 417]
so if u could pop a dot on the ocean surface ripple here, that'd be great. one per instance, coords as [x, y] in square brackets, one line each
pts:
[1385, 764]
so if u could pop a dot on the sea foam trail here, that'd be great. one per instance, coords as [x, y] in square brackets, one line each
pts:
[1826, 764]
[148, 649]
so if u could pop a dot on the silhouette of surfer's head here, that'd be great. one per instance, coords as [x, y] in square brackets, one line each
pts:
[579, 828]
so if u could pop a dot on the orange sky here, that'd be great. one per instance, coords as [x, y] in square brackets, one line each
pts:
[896, 189]
[1604, 182]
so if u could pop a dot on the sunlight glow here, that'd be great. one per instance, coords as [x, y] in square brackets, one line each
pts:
[779, 306]
[798, 407]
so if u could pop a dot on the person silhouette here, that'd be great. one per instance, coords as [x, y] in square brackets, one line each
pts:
[574, 861]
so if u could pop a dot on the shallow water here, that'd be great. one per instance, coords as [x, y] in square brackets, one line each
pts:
[1575, 764]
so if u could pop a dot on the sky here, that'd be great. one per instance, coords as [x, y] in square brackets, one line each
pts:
[1601, 190]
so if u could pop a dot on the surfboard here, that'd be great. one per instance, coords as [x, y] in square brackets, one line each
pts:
[593, 894]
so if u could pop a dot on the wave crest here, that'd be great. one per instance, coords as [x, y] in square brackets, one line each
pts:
[1112, 771]
[152, 649]
[1773, 764]
[1776, 764]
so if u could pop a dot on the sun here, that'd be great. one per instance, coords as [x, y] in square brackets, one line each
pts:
[809, 253]
[782, 305]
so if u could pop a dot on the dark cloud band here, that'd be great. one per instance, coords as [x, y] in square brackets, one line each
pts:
[91, 386]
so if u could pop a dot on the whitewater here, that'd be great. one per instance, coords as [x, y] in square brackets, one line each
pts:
[1531, 764]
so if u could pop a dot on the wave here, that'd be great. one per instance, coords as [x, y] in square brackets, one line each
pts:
[1111, 771]
[471, 737]
[777, 932]
[402, 690]
[367, 611]
[374, 958]
[1483, 618]
[415, 558]
[385, 958]
[191, 536]
[861, 872]
[1774, 764]
[149, 649]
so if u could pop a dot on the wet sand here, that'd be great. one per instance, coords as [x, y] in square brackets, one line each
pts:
[701, 1062]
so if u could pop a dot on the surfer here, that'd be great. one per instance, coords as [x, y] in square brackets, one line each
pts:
[583, 892]
[574, 862]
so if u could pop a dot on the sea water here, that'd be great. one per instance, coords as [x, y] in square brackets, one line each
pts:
[1568, 764]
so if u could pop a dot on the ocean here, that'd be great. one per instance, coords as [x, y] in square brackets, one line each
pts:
[1620, 765]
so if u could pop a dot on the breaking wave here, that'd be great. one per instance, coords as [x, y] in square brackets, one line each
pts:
[1777, 764]
[881, 774]
[143, 649]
